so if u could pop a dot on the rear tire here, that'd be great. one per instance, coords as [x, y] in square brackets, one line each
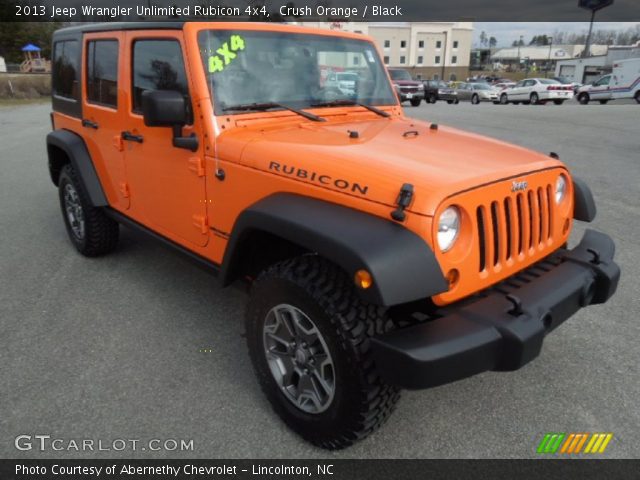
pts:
[475, 100]
[504, 100]
[312, 293]
[449, 102]
[558, 102]
[583, 98]
[534, 99]
[603, 102]
[90, 230]
[456, 101]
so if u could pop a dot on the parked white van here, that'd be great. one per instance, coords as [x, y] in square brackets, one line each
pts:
[622, 82]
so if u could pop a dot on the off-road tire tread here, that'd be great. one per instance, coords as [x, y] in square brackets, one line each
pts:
[355, 321]
[101, 232]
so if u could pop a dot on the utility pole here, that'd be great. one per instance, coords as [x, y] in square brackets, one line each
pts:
[444, 55]
[549, 59]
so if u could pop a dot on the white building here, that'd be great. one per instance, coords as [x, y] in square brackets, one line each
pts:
[586, 70]
[426, 49]
[541, 56]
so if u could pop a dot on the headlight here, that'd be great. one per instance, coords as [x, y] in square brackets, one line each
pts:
[448, 228]
[561, 188]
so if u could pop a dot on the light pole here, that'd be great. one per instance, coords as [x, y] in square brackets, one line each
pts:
[594, 6]
[549, 60]
[444, 55]
[519, 44]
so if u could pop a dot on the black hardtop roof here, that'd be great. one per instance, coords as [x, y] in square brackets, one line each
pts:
[112, 26]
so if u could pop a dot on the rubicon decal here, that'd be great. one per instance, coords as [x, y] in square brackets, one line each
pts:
[320, 178]
[569, 443]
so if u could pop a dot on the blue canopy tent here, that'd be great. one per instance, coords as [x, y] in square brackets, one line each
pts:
[30, 47]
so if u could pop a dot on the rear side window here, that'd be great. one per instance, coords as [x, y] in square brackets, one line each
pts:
[102, 72]
[157, 65]
[66, 59]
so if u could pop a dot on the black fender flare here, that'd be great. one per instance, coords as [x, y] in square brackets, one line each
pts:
[402, 265]
[76, 150]
[584, 206]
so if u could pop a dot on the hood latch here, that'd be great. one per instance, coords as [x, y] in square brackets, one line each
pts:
[404, 200]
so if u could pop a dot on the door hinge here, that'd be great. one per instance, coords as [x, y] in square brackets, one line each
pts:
[124, 189]
[200, 222]
[196, 165]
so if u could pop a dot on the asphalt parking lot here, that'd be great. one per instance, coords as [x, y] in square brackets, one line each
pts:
[111, 348]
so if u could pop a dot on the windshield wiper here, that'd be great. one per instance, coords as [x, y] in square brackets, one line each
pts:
[338, 103]
[269, 105]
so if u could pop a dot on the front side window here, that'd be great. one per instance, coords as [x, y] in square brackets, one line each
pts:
[603, 81]
[102, 72]
[245, 67]
[66, 57]
[157, 65]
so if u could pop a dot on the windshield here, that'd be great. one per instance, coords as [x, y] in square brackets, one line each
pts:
[481, 86]
[399, 75]
[548, 81]
[297, 70]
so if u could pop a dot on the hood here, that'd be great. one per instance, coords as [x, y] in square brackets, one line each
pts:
[408, 83]
[386, 154]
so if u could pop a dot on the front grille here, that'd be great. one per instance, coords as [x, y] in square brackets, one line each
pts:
[514, 228]
[409, 89]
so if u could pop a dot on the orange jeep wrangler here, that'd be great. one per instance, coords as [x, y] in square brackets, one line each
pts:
[382, 252]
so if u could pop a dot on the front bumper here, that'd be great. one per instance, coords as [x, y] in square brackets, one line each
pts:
[405, 96]
[503, 328]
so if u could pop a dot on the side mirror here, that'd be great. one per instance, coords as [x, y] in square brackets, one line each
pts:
[163, 108]
[167, 108]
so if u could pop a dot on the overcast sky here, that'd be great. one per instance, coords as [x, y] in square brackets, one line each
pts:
[506, 33]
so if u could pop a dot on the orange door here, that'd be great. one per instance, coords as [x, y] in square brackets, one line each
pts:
[103, 111]
[167, 184]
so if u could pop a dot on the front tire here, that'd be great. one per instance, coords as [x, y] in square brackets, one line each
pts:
[637, 96]
[534, 99]
[475, 100]
[558, 102]
[583, 98]
[89, 229]
[306, 308]
[603, 102]
[415, 102]
[504, 100]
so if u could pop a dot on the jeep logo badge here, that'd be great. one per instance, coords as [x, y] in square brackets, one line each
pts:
[518, 186]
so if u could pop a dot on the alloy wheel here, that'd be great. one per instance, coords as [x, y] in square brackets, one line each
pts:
[73, 210]
[299, 359]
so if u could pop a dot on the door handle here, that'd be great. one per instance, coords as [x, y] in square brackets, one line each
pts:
[132, 138]
[89, 124]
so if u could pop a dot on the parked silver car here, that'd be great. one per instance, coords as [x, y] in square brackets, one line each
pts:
[477, 92]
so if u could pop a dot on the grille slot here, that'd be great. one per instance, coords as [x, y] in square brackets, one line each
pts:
[515, 227]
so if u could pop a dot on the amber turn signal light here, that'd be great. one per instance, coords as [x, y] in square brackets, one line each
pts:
[363, 279]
